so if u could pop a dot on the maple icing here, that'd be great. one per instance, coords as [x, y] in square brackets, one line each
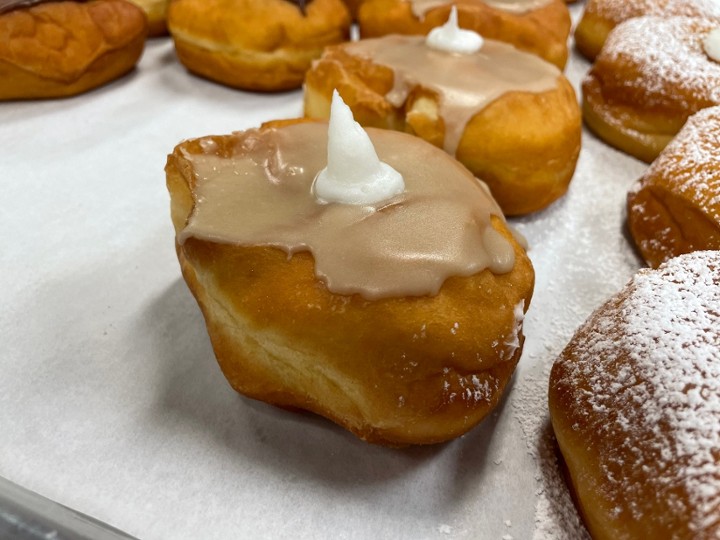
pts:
[406, 246]
[465, 83]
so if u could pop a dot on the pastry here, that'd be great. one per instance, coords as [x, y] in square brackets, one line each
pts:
[264, 45]
[509, 116]
[540, 27]
[635, 406]
[601, 16]
[652, 74]
[401, 320]
[156, 12]
[58, 49]
[675, 207]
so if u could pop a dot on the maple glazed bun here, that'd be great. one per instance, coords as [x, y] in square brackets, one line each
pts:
[394, 370]
[634, 405]
[601, 16]
[675, 207]
[542, 29]
[263, 45]
[156, 12]
[524, 144]
[652, 74]
[101, 41]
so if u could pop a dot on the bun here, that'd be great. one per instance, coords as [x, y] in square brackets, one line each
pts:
[103, 40]
[634, 405]
[523, 140]
[651, 75]
[675, 207]
[264, 45]
[540, 27]
[395, 368]
[601, 16]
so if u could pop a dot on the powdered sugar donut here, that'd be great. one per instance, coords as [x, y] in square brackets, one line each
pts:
[675, 207]
[635, 405]
[651, 75]
[601, 16]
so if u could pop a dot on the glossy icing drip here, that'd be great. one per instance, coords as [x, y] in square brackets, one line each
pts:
[465, 84]
[406, 246]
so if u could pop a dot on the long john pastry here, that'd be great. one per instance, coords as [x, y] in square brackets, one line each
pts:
[399, 318]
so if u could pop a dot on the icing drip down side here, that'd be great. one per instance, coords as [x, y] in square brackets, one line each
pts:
[406, 246]
[464, 83]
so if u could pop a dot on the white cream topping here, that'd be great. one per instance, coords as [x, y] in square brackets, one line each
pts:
[711, 44]
[451, 38]
[354, 173]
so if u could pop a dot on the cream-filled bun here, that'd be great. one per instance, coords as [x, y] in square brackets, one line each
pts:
[264, 45]
[399, 319]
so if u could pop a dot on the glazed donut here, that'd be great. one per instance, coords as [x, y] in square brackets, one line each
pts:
[675, 207]
[601, 16]
[59, 49]
[508, 116]
[652, 74]
[370, 328]
[156, 12]
[634, 405]
[264, 45]
[540, 27]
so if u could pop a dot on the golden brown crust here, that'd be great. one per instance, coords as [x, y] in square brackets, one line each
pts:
[639, 447]
[547, 123]
[543, 31]
[65, 48]
[391, 371]
[675, 208]
[638, 101]
[601, 16]
[263, 45]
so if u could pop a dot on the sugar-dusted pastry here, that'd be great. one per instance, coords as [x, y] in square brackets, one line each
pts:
[675, 207]
[540, 27]
[508, 116]
[601, 16]
[58, 49]
[156, 12]
[387, 296]
[652, 74]
[635, 406]
[264, 45]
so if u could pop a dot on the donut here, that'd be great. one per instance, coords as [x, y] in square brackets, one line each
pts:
[675, 207]
[261, 45]
[156, 12]
[540, 27]
[508, 116]
[635, 407]
[601, 16]
[59, 49]
[651, 76]
[366, 315]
